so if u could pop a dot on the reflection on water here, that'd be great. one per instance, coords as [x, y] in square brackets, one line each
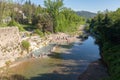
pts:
[64, 65]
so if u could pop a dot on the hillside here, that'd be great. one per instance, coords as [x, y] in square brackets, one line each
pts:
[86, 14]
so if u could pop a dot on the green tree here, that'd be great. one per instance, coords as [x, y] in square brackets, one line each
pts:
[54, 8]
[28, 9]
[44, 22]
[106, 27]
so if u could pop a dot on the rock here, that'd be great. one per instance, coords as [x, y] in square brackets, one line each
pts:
[12, 59]
[2, 63]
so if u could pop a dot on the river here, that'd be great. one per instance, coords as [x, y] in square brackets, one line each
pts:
[66, 64]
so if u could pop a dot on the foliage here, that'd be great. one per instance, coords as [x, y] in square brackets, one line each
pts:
[25, 45]
[15, 24]
[37, 31]
[3, 25]
[53, 8]
[64, 19]
[111, 57]
[3, 8]
[53, 18]
[68, 21]
[106, 28]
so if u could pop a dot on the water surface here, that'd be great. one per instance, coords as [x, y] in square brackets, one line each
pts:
[65, 64]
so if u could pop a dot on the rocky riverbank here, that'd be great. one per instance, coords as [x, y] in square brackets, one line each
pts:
[36, 42]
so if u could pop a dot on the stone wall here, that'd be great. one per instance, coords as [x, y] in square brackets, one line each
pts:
[9, 44]
[9, 35]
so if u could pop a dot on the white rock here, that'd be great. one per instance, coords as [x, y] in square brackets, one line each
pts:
[2, 63]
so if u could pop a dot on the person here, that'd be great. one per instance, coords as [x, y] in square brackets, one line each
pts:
[67, 40]
[39, 55]
[32, 55]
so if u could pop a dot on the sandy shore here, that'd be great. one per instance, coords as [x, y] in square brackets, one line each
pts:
[95, 71]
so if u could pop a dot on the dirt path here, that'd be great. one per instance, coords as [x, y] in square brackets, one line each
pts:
[95, 71]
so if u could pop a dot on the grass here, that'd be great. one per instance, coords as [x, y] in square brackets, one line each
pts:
[3, 25]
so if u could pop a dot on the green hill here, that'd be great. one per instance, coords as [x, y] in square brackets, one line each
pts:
[86, 14]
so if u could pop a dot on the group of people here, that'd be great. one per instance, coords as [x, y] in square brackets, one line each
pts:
[60, 39]
[40, 55]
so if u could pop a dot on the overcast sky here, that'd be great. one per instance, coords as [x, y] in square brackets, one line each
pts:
[87, 5]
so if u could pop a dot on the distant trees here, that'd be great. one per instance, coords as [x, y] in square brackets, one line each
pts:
[44, 22]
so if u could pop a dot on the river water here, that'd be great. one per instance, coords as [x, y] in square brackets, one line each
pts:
[67, 63]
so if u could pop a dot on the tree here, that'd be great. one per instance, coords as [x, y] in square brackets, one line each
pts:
[44, 22]
[28, 9]
[54, 8]
[107, 26]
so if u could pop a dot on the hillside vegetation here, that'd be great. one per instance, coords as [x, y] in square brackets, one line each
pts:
[54, 17]
[106, 28]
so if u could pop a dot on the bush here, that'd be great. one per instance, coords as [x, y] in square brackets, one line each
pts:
[111, 55]
[14, 23]
[48, 33]
[25, 45]
[37, 31]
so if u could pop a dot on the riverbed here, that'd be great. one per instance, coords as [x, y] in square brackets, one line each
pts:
[66, 63]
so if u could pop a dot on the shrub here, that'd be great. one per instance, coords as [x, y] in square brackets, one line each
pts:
[8, 63]
[14, 23]
[37, 31]
[48, 33]
[26, 45]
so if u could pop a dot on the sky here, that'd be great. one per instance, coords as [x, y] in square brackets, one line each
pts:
[87, 5]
